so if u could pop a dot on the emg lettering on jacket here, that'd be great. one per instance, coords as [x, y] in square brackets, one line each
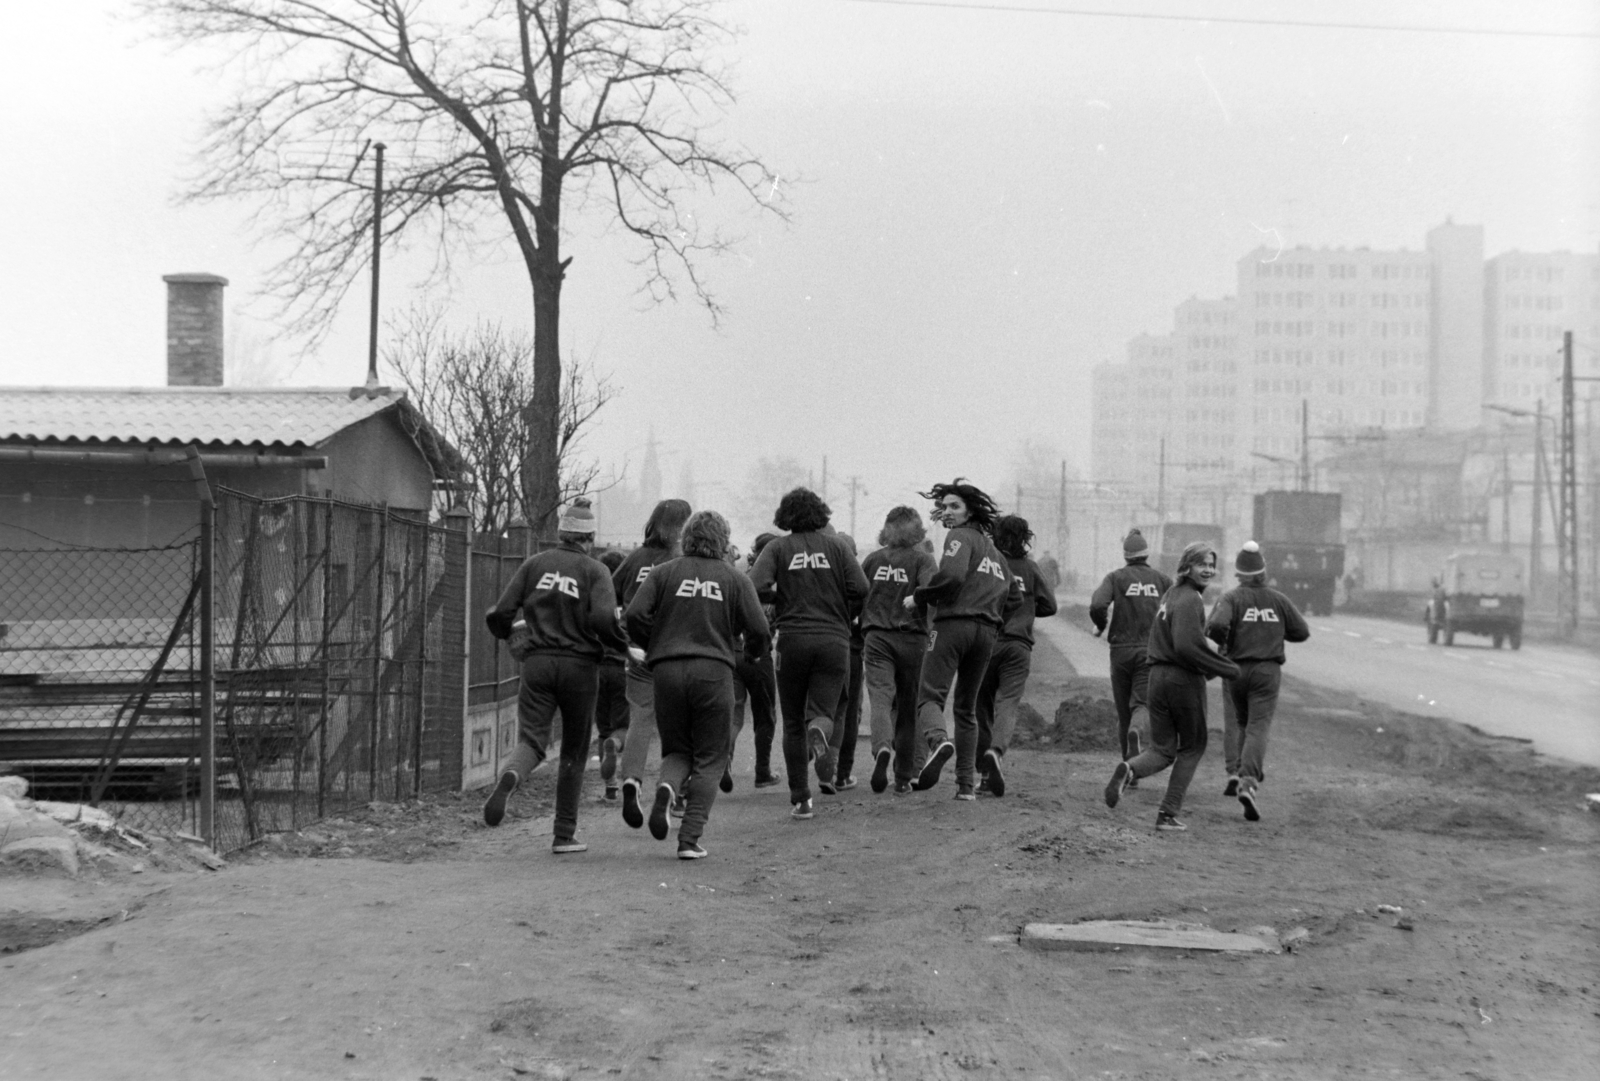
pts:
[892, 574]
[694, 587]
[989, 566]
[1142, 589]
[644, 572]
[816, 561]
[1260, 615]
[555, 580]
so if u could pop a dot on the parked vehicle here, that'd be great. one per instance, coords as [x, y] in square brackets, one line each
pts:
[1303, 543]
[1478, 593]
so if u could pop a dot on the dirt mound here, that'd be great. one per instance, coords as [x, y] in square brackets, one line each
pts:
[1083, 722]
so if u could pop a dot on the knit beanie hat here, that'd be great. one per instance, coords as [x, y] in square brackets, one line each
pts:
[1249, 560]
[1134, 546]
[577, 518]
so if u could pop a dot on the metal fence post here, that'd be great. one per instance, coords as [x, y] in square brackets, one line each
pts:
[208, 665]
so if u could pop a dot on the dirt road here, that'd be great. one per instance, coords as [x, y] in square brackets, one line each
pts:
[880, 939]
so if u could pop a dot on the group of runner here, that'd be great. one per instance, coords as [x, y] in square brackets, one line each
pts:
[674, 639]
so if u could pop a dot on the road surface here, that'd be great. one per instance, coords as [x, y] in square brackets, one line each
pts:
[1549, 694]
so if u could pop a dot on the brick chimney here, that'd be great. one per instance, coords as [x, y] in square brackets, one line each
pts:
[194, 329]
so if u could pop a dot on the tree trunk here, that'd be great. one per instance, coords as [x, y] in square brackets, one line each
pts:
[541, 480]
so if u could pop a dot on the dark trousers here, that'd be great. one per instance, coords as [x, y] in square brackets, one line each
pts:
[1001, 694]
[958, 653]
[1177, 731]
[847, 717]
[753, 681]
[812, 670]
[552, 682]
[1130, 682]
[694, 707]
[1248, 704]
[893, 664]
[611, 701]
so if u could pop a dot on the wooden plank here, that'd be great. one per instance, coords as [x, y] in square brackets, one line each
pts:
[1140, 934]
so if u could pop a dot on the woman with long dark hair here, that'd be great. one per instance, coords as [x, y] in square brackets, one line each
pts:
[973, 593]
[895, 639]
[1182, 658]
[813, 578]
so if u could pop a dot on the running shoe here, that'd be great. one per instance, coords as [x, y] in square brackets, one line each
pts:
[1169, 822]
[937, 757]
[902, 788]
[631, 812]
[965, 792]
[992, 774]
[880, 769]
[609, 749]
[689, 850]
[821, 759]
[613, 792]
[1118, 782]
[765, 780]
[1247, 796]
[726, 784]
[568, 846]
[1232, 787]
[659, 826]
[494, 808]
[844, 784]
[802, 810]
[680, 806]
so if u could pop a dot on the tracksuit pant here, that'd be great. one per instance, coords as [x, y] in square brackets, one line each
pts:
[753, 681]
[641, 722]
[1001, 694]
[847, 717]
[551, 682]
[1130, 681]
[958, 653]
[1248, 704]
[1177, 731]
[812, 671]
[611, 701]
[693, 709]
[893, 669]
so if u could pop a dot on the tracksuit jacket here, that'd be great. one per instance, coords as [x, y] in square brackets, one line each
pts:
[695, 607]
[817, 583]
[568, 603]
[1131, 594]
[892, 575]
[1177, 636]
[1038, 601]
[1251, 624]
[972, 582]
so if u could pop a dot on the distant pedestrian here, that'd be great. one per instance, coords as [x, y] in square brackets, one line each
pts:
[974, 595]
[895, 640]
[566, 601]
[662, 534]
[1012, 658]
[688, 614]
[611, 703]
[1126, 602]
[1181, 660]
[1250, 624]
[754, 683]
[817, 585]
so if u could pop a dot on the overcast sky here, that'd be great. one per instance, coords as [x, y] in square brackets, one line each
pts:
[987, 204]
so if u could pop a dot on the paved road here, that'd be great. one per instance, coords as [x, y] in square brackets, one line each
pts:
[1547, 693]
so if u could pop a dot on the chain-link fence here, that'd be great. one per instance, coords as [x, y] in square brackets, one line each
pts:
[99, 696]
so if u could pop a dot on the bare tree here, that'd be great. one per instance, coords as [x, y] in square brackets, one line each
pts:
[471, 386]
[496, 114]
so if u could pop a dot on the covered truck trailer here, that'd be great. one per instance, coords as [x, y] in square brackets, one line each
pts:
[1301, 539]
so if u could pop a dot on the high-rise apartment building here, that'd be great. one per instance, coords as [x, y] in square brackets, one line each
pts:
[1131, 401]
[1530, 299]
[1206, 412]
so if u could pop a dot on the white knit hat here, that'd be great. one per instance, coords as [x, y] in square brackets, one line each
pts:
[577, 518]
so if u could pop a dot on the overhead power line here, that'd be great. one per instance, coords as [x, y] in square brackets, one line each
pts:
[1306, 24]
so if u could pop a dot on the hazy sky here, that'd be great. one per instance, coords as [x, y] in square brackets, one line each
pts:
[986, 205]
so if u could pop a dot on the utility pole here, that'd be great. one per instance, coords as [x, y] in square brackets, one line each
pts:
[1018, 503]
[1567, 515]
[855, 487]
[1061, 517]
[377, 249]
[1536, 537]
[824, 478]
[1305, 445]
[1505, 494]
[1161, 483]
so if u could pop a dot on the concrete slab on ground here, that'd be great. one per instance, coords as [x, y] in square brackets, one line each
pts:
[1140, 934]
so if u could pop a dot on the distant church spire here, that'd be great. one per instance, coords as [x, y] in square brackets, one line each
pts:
[650, 474]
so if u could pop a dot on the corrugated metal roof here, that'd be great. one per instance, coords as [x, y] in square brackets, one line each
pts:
[230, 416]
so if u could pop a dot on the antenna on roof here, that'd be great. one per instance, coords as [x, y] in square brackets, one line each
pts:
[377, 248]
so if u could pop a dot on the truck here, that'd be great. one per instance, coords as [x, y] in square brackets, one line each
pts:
[1302, 542]
[1477, 593]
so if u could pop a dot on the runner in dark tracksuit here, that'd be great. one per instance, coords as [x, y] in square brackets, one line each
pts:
[1012, 659]
[1251, 624]
[611, 699]
[895, 639]
[1181, 660]
[817, 586]
[690, 612]
[1130, 597]
[754, 682]
[566, 599]
[847, 716]
[661, 538]
[974, 595]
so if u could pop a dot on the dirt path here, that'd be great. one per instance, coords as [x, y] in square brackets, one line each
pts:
[880, 940]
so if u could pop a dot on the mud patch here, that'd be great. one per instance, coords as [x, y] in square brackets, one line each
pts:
[1088, 839]
[1459, 816]
[1083, 722]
